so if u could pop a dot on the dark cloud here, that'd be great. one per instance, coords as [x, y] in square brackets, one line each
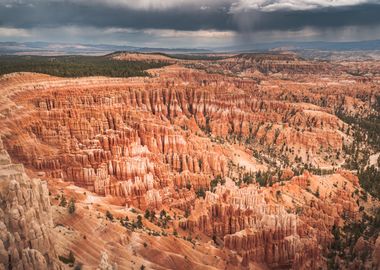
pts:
[247, 16]
[45, 14]
[363, 15]
[52, 14]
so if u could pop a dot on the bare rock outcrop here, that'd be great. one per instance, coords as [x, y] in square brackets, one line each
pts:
[105, 264]
[257, 231]
[25, 219]
[161, 142]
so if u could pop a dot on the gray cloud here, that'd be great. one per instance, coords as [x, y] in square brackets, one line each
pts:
[157, 4]
[278, 5]
[171, 20]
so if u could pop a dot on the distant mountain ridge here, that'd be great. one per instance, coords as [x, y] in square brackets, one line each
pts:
[49, 48]
[367, 45]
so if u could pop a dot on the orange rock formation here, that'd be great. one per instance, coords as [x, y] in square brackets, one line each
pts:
[157, 142]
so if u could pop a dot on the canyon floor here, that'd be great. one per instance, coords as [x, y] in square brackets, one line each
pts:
[248, 161]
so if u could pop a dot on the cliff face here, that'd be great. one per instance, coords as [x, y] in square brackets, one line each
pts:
[26, 221]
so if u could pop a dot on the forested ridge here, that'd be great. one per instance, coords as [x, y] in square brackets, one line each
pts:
[76, 66]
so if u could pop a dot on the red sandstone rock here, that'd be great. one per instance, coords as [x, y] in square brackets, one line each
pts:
[156, 142]
[26, 221]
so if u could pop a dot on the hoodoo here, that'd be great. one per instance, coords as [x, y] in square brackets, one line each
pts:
[246, 161]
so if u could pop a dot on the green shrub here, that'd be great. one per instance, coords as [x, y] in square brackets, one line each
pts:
[109, 215]
[69, 260]
[63, 201]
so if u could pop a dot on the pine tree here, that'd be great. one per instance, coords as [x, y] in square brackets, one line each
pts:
[109, 215]
[71, 257]
[63, 201]
[147, 214]
[71, 207]
[139, 223]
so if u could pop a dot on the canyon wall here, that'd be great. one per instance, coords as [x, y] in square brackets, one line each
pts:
[26, 219]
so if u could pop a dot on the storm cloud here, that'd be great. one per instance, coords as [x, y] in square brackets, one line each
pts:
[155, 21]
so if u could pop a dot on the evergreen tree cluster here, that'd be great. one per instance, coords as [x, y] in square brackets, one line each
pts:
[218, 179]
[76, 66]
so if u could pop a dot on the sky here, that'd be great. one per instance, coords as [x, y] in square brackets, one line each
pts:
[188, 23]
